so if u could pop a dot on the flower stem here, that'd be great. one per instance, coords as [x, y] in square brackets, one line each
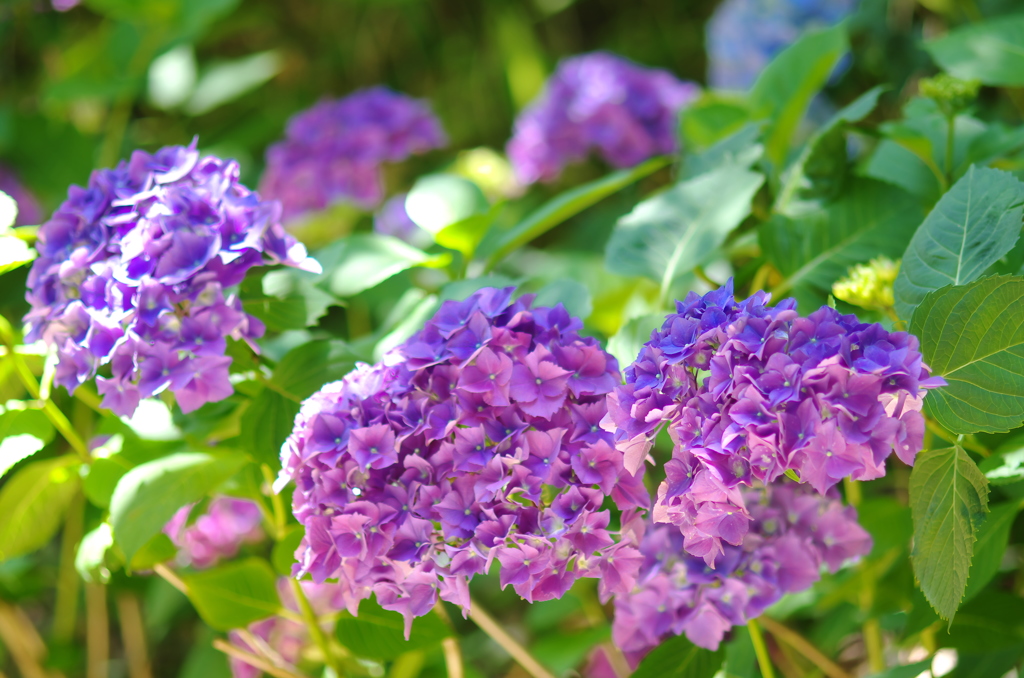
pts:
[317, 633]
[254, 661]
[133, 635]
[803, 646]
[280, 518]
[760, 649]
[518, 653]
[97, 631]
[65, 610]
[450, 646]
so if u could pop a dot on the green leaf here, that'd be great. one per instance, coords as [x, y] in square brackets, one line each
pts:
[973, 336]
[989, 51]
[304, 369]
[33, 502]
[971, 227]
[22, 434]
[228, 80]
[1006, 467]
[816, 249]
[569, 204]
[437, 202]
[987, 664]
[669, 234]
[677, 657]
[465, 235]
[91, 555]
[990, 547]
[380, 634]
[711, 118]
[572, 294]
[626, 343]
[364, 260]
[786, 86]
[159, 549]
[948, 500]
[14, 253]
[905, 671]
[148, 496]
[298, 288]
[233, 596]
[282, 556]
[742, 148]
[266, 423]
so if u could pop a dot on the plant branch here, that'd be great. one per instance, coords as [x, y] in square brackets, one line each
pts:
[317, 633]
[254, 661]
[24, 644]
[760, 649]
[450, 646]
[133, 635]
[97, 631]
[518, 653]
[65, 609]
[804, 647]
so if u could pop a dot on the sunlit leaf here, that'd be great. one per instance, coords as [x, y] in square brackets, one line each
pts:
[234, 595]
[33, 502]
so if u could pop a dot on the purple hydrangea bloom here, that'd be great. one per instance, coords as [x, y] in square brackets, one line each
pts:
[334, 151]
[794, 534]
[217, 534]
[392, 219]
[750, 391]
[29, 211]
[598, 101]
[133, 270]
[744, 35]
[477, 440]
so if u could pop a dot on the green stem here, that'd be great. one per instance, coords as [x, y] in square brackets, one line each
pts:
[760, 649]
[65, 610]
[317, 633]
[280, 517]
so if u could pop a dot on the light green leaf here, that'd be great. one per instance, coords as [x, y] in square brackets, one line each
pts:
[91, 555]
[948, 500]
[229, 80]
[306, 368]
[266, 423]
[973, 336]
[465, 235]
[437, 201]
[22, 434]
[971, 227]
[14, 253]
[742, 148]
[626, 343]
[816, 249]
[33, 502]
[711, 118]
[990, 51]
[148, 496]
[379, 634]
[233, 596]
[569, 204]
[990, 547]
[282, 557]
[677, 657]
[1007, 467]
[786, 86]
[298, 289]
[159, 549]
[572, 294]
[363, 260]
[669, 234]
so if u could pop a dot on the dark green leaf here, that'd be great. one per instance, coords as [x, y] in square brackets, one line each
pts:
[989, 51]
[569, 204]
[816, 249]
[987, 664]
[786, 86]
[905, 671]
[364, 260]
[973, 336]
[677, 657]
[33, 502]
[306, 368]
[380, 634]
[948, 499]
[990, 547]
[971, 227]
[990, 622]
[740, 658]
[148, 496]
[234, 595]
[669, 234]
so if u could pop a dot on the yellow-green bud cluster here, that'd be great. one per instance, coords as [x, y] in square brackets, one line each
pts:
[951, 94]
[868, 285]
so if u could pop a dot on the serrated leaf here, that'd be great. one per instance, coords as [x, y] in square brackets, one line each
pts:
[948, 500]
[970, 228]
[786, 86]
[990, 547]
[569, 204]
[234, 595]
[364, 260]
[266, 424]
[33, 502]
[148, 496]
[742, 148]
[989, 51]
[973, 337]
[677, 657]
[304, 369]
[816, 249]
[669, 234]
[379, 634]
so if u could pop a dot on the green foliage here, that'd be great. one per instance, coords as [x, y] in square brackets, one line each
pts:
[148, 496]
[990, 547]
[376, 633]
[266, 423]
[988, 51]
[679, 658]
[234, 595]
[33, 502]
[969, 229]
[949, 500]
[971, 336]
[362, 261]
[22, 434]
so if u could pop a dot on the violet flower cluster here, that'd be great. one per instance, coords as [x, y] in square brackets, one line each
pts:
[794, 534]
[600, 101]
[217, 534]
[334, 151]
[477, 440]
[751, 392]
[133, 271]
[743, 36]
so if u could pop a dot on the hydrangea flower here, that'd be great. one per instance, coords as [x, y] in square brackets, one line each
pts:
[29, 211]
[477, 440]
[744, 35]
[750, 392]
[334, 151]
[598, 101]
[133, 275]
[794, 534]
[217, 534]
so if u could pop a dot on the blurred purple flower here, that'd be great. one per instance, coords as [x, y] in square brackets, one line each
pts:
[415, 474]
[29, 211]
[750, 392]
[794, 533]
[392, 219]
[132, 272]
[65, 5]
[744, 35]
[217, 534]
[334, 151]
[598, 101]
